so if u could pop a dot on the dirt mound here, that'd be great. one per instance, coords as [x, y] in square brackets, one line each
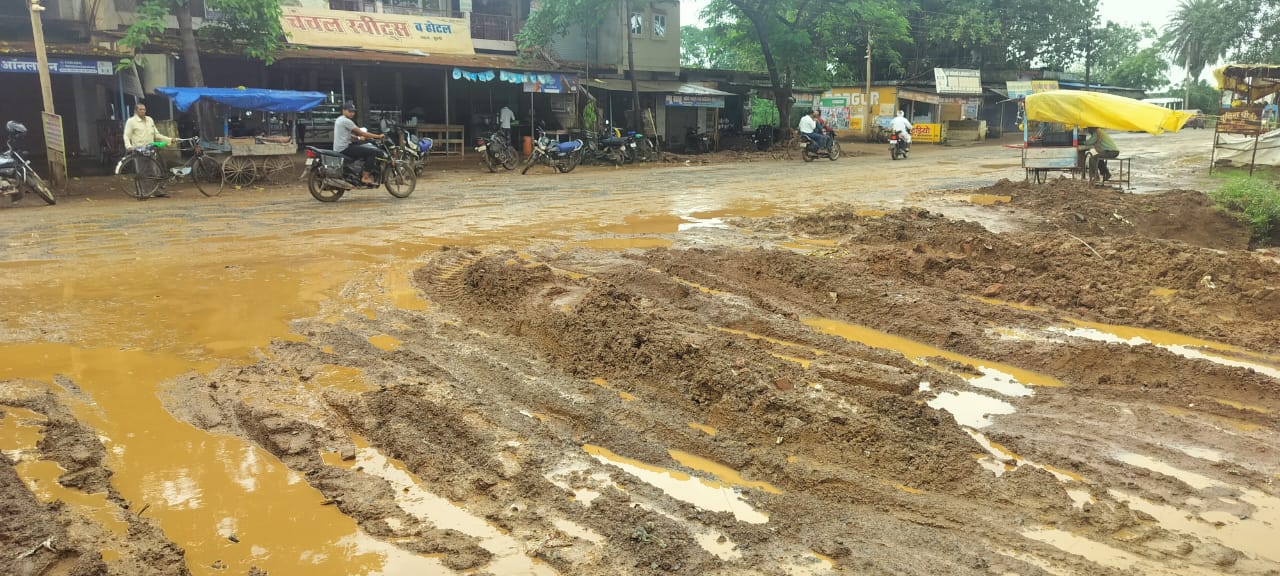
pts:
[1076, 207]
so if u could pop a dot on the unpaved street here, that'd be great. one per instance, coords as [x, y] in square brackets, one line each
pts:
[748, 366]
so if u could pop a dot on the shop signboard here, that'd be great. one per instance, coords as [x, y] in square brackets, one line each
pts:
[1023, 88]
[1247, 121]
[926, 133]
[57, 66]
[836, 112]
[694, 101]
[957, 81]
[550, 83]
[392, 32]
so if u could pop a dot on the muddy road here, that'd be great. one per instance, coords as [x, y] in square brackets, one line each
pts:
[742, 367]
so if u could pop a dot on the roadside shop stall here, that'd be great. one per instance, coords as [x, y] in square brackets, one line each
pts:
[259, 128]
[1244, 133]
[1076, 110]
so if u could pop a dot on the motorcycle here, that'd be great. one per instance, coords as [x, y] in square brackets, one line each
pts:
[607, 148]
[563, 156]
[410, 148]
[495, 150]
[898, 146]
[330, 174]
[639, 148]
[696, 142]
[811, 151]
[17, 178]
[762, 138]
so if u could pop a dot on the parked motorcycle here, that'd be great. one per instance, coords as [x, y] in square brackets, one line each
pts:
[17, 178]
[696, 142]
[762, 138]
[639, 148]
[898, 146]
[330, 174]
[563, 156]
[811, 151]
[607, 148]
[410, 148]
[495, 150]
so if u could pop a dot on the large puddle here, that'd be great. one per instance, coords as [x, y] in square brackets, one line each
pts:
[139, 326]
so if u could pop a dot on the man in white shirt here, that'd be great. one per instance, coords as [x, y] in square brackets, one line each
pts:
[809, 128]
[140, 129]
[902, 127]
[505, 117]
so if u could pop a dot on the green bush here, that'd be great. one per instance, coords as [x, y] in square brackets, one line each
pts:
[1258, 200]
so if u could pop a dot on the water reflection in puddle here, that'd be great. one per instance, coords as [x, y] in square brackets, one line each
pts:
[969, 408]
[1252, 529]
[705, 494]
[509, 556]
[1184, 346]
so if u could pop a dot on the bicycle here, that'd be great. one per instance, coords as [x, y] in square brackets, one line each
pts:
[150, 177]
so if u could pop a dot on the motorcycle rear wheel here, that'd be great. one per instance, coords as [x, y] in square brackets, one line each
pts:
[893, 152]
[569, 163]
[315, 185]
[807, 155]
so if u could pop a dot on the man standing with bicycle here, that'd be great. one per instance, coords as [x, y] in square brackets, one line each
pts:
[140, 130]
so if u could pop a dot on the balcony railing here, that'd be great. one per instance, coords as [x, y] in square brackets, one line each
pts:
[493, 27]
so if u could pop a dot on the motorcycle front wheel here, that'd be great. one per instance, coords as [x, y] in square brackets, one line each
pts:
[400, 181]
[509, 158]
[487, 157]
[835, 152]
[37, 184]
[315, 185]
[567, 165]
[529, 163]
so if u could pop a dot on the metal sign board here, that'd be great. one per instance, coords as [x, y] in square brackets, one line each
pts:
[55, 145]
[1247, 121]
[57, 66]
[958, 81]
[694, 101]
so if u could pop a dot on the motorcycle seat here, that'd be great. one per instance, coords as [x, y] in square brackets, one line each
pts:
[571, 146]
[324, 152]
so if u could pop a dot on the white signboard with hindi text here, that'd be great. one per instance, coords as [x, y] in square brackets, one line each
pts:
[958, 81]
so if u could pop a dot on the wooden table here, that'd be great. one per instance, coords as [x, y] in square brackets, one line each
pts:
[446, 138]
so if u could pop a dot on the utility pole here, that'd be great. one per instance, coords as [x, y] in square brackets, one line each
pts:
[866, 116]
[42, 59]
[1186, 90]
[1088, 50]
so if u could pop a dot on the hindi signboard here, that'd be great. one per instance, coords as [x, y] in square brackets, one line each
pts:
[694, 101]
[391, 32]
[926, 133]
[1247, 121]
[1021, 89]
[958, 81]
[57, 66]
[55, 146]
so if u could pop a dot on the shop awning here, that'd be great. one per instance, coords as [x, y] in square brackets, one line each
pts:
[658, 86]
[474, 61]
[1254, 80]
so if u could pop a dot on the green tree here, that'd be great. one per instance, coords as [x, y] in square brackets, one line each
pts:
[252, 26]
[1147, 70]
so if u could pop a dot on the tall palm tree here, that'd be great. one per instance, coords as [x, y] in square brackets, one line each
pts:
[1193, 38]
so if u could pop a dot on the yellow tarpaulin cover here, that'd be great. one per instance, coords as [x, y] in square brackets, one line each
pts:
[1107, 111]
[1254, 81]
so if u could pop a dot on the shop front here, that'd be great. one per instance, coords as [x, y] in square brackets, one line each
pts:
[85, 94]
[851, 110]
[680, 110]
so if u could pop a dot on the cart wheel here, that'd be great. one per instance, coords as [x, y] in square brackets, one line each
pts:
[238, 171]
[278, 169]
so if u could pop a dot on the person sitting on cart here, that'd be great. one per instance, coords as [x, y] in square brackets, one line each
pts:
[345, 133]
[1103, 148]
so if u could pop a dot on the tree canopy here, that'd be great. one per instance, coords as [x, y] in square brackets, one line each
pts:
[249, 26]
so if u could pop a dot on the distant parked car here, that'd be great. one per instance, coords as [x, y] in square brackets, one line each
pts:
[1196, 121]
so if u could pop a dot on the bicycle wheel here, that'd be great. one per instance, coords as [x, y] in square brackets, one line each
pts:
[206, 173]
[148, 177]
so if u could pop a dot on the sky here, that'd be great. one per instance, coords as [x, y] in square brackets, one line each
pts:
[1126, 12]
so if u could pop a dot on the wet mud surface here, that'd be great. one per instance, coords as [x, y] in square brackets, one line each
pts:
[980, 380]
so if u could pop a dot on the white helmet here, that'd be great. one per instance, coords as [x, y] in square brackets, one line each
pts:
[901, 114]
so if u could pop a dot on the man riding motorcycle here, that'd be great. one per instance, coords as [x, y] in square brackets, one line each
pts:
[809, 129]
[902, 128]
[345, 132]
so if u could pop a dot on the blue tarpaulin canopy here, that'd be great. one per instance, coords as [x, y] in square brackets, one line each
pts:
[245, 98]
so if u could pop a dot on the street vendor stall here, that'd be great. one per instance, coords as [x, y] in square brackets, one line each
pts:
[259, 129]
[1088, 109]
[1242, 130]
